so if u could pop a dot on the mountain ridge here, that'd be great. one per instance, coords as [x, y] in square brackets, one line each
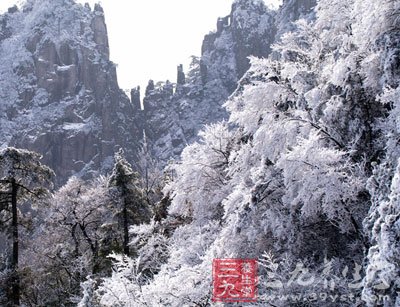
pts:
[60, 96]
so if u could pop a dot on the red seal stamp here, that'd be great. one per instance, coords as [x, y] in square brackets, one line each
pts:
[234, 280]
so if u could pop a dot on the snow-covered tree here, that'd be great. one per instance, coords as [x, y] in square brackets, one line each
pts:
[151, 179]
[23, 179]
[129, 205]
[71, 239]
[310, 147]
[122, 289]
[383, 270]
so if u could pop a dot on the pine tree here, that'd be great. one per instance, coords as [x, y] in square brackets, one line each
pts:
[129, 204]
[22, 178]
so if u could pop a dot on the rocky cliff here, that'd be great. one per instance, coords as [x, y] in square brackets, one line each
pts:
[59, 93]
[176, 112]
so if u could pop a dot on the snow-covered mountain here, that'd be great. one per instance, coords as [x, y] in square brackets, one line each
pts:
[60, 96]
[59, 93]
[174, 117]
[304, 176]
[298, 166]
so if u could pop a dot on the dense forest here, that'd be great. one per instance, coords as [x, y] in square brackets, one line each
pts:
[303, 174]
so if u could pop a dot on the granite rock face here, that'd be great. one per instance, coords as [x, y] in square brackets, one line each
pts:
[253, 32]
[59, 93]
[292, 10]
[59, 90]
[197, 99]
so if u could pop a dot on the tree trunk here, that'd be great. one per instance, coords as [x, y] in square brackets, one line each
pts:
[76, 280]
[126, 229]
[15, 286]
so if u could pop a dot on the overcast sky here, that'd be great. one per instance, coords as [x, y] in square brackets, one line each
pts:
[149, 38]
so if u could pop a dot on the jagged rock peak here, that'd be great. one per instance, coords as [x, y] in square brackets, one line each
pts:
[149, 87]
[61, 20]
[13, 9]
[59, 93]
[34, 4]
[222, 23]
[249, 30]
[292, 10]
[181, 79]
[135, 97]
[98, 8]
[100, 30]
[160, 88]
